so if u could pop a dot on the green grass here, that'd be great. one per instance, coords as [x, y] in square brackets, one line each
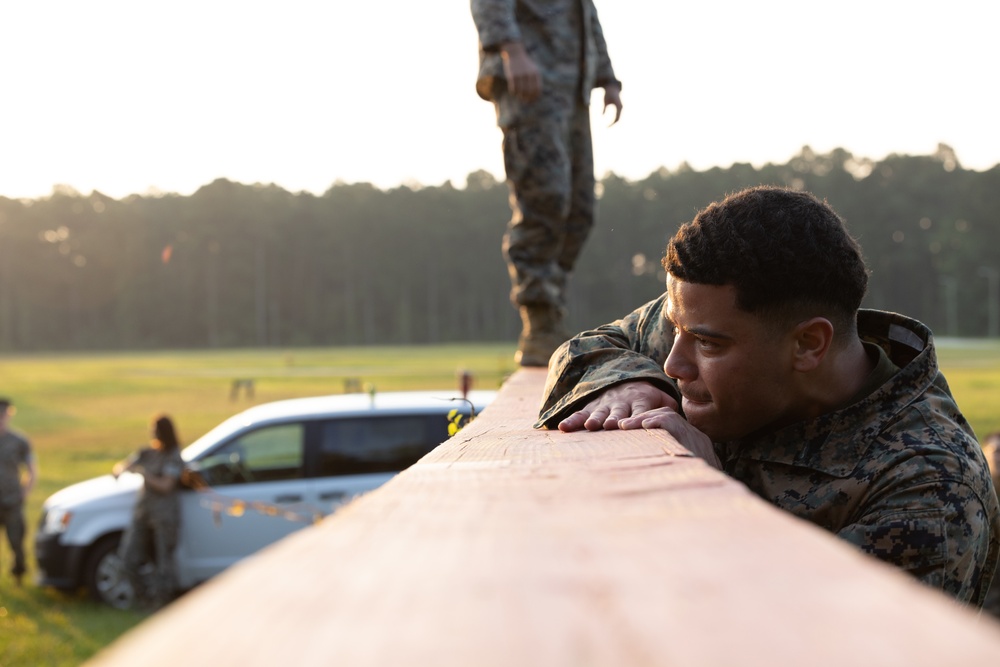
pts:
[84, 412]
[973, 373]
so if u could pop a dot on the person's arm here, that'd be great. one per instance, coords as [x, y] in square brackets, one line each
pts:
[125, 465]
[29, 477]
[500, 33]
[524, 79]
[586, 366]
[495, 23]
[613, 378]
[937, 530]
[605, 73]
[168, 479]
[161, 483]
[612, 97]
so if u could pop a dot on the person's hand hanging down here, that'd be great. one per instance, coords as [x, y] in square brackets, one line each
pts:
[524, 79]
[640, 404]
[612, 97]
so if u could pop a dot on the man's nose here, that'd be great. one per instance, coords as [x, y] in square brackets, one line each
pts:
[676, 365]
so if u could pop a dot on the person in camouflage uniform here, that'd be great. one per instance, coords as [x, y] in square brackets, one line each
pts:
[17, 476]
[991, 447]
[759, 358]
[539, 62]
[152, 535]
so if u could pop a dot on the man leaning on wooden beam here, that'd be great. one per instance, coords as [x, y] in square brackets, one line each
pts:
[759, 358]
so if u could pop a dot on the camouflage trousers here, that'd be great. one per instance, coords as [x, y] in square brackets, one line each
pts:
[548, 158]
[12, 518]
[150, 542]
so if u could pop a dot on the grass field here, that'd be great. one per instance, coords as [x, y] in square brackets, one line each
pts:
[84, 412]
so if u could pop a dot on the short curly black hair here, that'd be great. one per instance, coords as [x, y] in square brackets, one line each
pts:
[787, 253]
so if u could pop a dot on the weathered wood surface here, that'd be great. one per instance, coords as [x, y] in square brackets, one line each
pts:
[515, 547]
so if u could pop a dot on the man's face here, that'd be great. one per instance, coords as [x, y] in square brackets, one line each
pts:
[734, 373]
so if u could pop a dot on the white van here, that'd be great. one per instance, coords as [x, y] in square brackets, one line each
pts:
[270, 470]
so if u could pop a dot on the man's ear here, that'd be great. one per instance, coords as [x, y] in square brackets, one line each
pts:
[813, 338]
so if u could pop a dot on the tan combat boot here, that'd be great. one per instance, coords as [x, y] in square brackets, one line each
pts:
[542, 331]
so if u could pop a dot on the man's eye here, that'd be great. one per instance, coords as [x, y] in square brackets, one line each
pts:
[707, 344]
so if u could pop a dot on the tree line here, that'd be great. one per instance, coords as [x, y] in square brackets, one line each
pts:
[254, 265]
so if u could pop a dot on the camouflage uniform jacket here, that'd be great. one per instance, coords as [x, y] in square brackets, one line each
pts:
[152, 503]
[551, 31]
[899, 473]
[15, 451]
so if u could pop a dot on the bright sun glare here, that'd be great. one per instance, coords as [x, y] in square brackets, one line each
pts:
[122, 97]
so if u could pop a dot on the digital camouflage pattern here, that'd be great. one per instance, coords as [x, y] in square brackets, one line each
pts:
[991, 447]
[549, 164]
[563, 37]
[899, 473]
[155, 524]
[547, 146]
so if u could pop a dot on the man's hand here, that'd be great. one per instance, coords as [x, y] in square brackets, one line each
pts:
[639, 404]
[524, 79]
[612, 97]
[617, 403]
[673, 423]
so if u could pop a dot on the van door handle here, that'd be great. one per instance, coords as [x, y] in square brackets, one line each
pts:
[290, 498]
[332, 495]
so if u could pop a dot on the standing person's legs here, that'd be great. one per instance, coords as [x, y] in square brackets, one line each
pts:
[537, 159]
[164, 545]
[15, 533]
[134, 551]
[580, 220]
[12, 518]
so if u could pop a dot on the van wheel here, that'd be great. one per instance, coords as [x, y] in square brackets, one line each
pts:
[105, 575]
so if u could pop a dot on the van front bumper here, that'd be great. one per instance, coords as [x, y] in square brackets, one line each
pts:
[59, 565]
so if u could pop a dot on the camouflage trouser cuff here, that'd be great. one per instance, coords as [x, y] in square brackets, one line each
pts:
[539, 293]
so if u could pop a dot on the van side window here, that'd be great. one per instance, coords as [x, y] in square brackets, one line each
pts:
[264, 455]
[378, 444]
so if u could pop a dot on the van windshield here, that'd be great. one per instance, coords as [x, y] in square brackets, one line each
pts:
[217, 434]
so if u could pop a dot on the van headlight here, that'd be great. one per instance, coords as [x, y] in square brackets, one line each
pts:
[56, 520]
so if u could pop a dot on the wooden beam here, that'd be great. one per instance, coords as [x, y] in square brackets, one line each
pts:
[512, 546]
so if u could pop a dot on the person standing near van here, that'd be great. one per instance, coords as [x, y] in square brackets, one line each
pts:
[539, 60]
[156, 517]
[18, 472]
